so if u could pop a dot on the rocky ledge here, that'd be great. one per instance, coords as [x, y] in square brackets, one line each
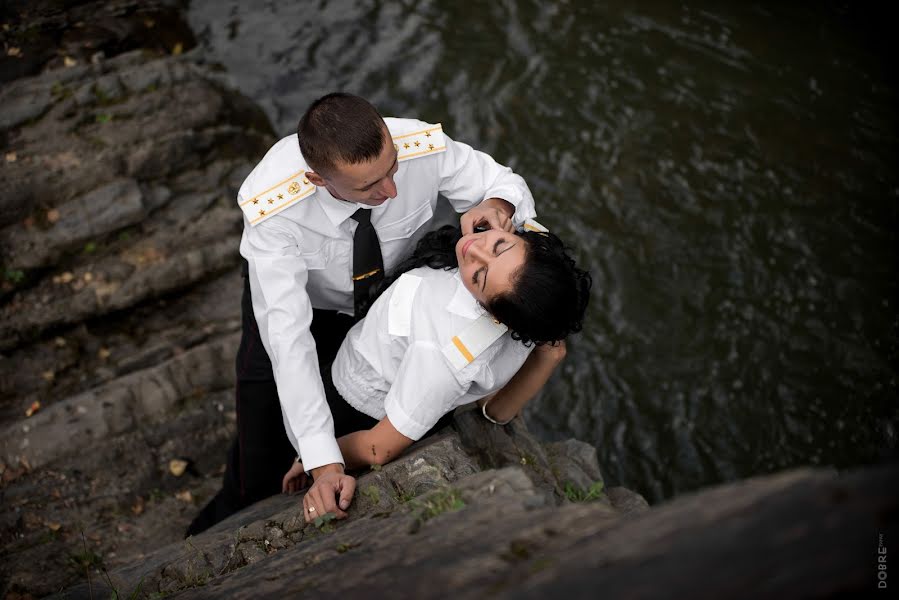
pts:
[119, 282]
[119, 320]
[487, 511]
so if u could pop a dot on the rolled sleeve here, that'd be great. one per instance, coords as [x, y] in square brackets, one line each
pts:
[283, 312]
[425, 389]
[468, 177]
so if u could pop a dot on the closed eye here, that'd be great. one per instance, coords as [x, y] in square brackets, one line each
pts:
[474, 277]
[495, 253]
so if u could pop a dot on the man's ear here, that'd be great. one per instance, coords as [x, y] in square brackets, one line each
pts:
[315, 179]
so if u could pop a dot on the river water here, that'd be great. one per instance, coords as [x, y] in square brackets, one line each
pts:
[727, 173]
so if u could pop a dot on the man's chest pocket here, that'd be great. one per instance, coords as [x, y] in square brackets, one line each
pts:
[316, 251]
[405, 227]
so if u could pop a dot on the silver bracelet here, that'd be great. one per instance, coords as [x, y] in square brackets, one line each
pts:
[491, 419]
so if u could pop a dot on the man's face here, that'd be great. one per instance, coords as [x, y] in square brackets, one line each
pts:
[368, 183]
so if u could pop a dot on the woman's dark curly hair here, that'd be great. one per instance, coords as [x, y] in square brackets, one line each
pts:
[549, 292]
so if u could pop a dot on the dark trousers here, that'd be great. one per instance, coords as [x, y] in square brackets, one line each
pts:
[261, 454]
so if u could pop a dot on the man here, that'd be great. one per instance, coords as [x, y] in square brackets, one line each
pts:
[326, 212]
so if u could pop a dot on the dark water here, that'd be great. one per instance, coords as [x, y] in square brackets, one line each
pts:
[728, 174]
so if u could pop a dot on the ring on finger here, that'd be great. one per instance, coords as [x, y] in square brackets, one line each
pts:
[311, 509]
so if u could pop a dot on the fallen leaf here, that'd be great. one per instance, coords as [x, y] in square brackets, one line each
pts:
[104, 353]
[69, 61]
[48, 376]
[52, 215]
[88, 277]
[66, 277]
[185, 496]
[35, 406]
[138, 506]
[177, 467]
[14, 51]
[11, 157]
[60, 342]
[177, 49]
[53, 526]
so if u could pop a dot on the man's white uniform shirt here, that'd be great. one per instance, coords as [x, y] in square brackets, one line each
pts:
[298, 242]
[392, 363]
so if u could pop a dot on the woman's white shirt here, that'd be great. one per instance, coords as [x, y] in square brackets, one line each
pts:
[393, 364]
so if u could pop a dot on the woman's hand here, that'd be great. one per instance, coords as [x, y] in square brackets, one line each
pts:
[554, 352]
[295, 479]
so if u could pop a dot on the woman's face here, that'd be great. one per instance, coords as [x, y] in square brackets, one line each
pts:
[487, 262]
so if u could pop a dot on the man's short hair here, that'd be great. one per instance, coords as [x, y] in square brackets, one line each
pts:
[340, 128]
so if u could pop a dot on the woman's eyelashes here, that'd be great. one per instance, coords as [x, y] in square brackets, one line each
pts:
[476, 276]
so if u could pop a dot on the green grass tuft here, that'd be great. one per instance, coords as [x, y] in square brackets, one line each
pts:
[576, 494]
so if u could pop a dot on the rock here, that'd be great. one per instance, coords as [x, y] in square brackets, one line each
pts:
[627, 501]
[574, 463]
[119, 304]
[497, 446]
[511, 550]
[119, 406]
[109, 208]
[48, 37]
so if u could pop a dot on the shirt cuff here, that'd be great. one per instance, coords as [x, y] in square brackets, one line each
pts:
[404, 424]
[524, 206]
[319, 450]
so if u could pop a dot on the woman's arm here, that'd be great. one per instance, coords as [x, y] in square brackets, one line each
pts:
[376, 446]
[524, 385]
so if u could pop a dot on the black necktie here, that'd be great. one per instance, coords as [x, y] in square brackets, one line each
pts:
[368, 267]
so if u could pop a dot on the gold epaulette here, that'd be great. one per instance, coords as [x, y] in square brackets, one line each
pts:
[420, 143]
[463, 348]
[277, 198]
[533, 225]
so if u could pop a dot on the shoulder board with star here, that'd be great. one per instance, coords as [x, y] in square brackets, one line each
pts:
[420, 143]
[468, 344]
[276, 198]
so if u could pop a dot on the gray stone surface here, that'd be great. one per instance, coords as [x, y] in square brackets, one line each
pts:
[574, 463]
[627, 501]
[486, 537]
[109, 208]
[119, 283]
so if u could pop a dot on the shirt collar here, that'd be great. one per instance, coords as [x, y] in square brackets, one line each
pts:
[463, 303]
[337, 211]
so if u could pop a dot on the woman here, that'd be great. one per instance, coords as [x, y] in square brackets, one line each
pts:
[477, 317]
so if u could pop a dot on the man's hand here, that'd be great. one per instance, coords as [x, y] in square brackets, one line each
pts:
[332, 493]
[295, 479]
[494, 212]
